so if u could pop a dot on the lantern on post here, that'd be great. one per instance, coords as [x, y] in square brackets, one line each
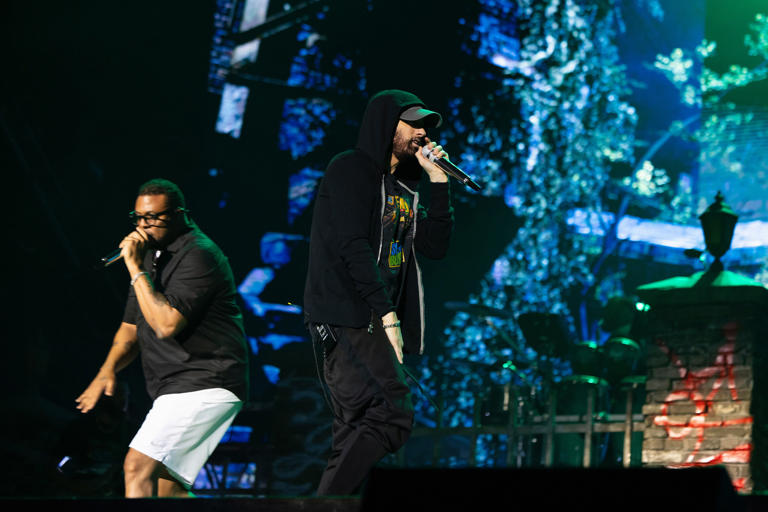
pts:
[718, 222]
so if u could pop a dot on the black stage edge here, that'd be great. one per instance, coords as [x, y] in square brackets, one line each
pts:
[609, 489]
[199, 504]
[469, 489]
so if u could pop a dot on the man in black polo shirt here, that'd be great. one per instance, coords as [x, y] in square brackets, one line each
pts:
[182, 317]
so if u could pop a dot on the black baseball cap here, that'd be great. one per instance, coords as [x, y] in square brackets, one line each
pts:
[417, 113]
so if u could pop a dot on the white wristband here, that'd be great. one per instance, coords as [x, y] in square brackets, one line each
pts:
[138, 274]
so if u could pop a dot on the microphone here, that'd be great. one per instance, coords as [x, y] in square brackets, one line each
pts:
[111, 257]
[449, 168]
[115, 255]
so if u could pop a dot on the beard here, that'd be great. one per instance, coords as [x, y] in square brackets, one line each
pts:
[404, 149]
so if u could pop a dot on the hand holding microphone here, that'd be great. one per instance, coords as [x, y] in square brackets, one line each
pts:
[435, 154]
[426, 157]
[134, 246]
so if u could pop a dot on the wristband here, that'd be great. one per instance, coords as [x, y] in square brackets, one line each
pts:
[393, 324]
[138, 275]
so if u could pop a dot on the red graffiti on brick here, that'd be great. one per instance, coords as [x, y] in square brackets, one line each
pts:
[693, 389]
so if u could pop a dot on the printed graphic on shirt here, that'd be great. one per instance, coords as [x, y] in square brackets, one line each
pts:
[395, 254]
[397, 218]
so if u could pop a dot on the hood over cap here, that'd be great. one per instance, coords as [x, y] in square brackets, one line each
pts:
[380, 123]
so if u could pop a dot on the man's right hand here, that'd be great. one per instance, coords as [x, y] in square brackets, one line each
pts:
[104, 383]
[436, 174]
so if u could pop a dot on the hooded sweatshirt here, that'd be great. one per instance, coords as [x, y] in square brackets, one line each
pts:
[344, 286]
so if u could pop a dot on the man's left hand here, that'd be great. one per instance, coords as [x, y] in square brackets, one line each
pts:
[436, 174]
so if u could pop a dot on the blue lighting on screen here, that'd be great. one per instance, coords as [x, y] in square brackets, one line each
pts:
[276, 248]
[253, 285]
[237, 434]
[498, 42]
[253, 342]
[668, 234]
[303, 124]
[301, 191]
[271, 372]
[232, 110]
[276, 341]
[306, 66]
[239, 475]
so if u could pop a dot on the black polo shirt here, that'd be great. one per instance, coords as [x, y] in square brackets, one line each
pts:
[211, 351]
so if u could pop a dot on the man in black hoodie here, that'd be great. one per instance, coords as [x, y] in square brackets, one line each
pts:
[364, 300]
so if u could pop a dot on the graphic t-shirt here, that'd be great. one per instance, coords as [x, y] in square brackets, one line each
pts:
[397, 234]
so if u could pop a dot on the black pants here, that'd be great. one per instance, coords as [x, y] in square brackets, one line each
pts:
[371, 403]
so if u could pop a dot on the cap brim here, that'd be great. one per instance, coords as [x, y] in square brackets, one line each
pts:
[430, 118]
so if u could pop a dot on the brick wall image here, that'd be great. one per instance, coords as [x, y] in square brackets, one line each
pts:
[704, 392]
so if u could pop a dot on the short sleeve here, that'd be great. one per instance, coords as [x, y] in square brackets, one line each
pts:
[194, 282]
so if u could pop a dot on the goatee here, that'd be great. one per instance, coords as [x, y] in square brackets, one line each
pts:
[404, 150]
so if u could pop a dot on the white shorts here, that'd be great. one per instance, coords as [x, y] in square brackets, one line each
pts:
[182, 430]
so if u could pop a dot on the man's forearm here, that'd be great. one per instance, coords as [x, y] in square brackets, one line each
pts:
[163, 318]
[124, 349]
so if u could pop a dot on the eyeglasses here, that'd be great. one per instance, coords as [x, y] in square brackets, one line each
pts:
[152, 219]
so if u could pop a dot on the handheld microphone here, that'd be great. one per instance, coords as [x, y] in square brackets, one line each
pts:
[111, 257]
[449, 168]
[116, 254]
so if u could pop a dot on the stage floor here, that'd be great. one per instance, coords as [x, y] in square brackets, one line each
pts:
[474, 489]
[350, 504]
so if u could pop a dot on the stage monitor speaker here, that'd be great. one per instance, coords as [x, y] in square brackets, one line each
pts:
[593, 489]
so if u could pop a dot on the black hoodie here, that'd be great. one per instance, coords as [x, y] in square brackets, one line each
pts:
[344, 286]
